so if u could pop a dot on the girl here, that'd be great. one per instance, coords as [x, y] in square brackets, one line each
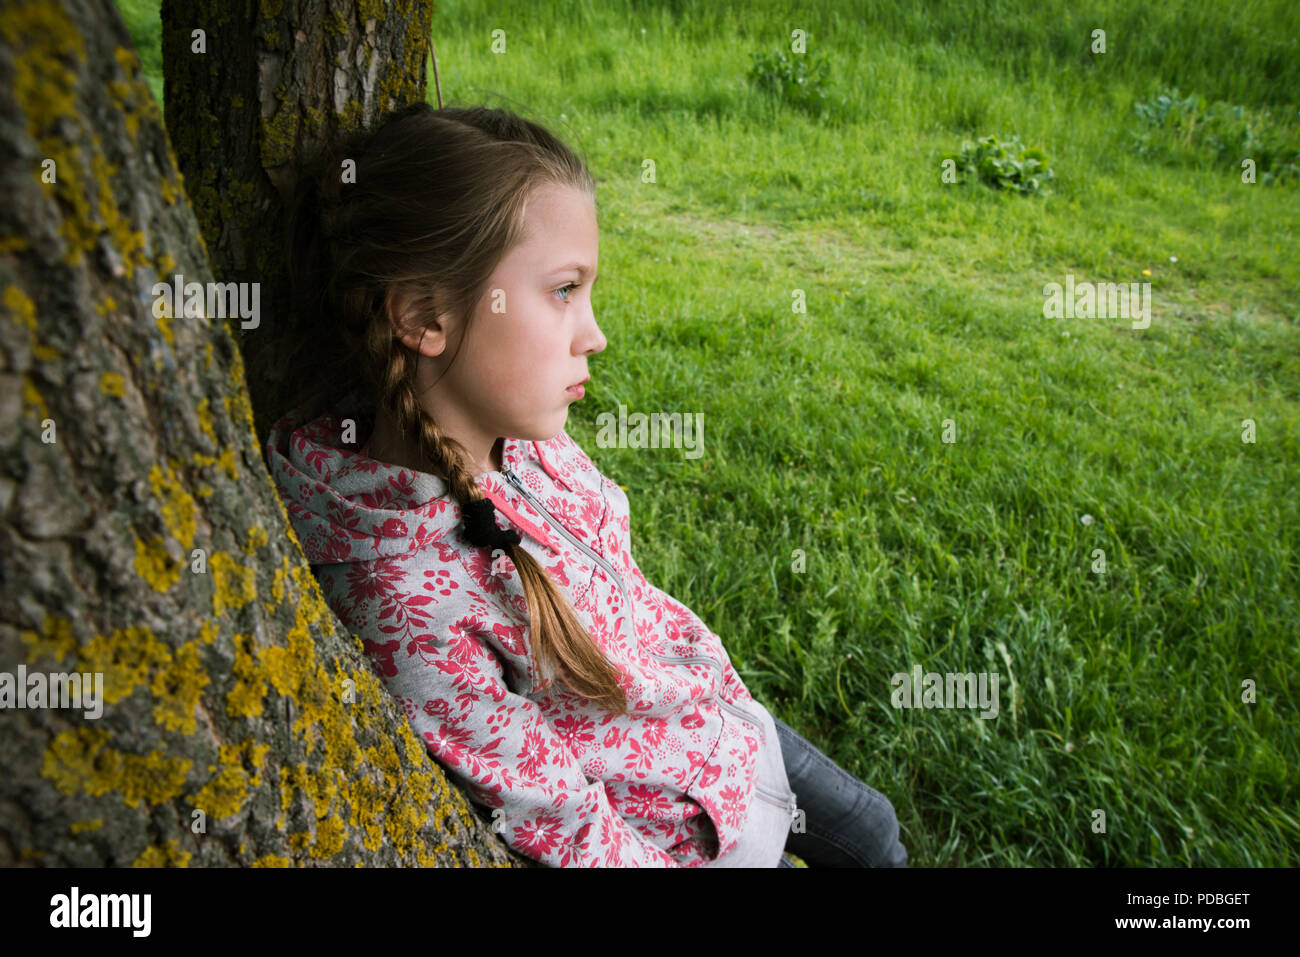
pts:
[479, 553]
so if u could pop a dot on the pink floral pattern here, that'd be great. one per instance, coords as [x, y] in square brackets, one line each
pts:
[447, 628]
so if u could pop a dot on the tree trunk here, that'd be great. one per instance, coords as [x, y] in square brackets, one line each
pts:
[274, 83]
[141, 538]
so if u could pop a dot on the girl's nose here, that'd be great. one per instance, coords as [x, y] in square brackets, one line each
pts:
[595, 339]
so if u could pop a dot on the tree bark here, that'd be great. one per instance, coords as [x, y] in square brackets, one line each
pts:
[141, 537]
[275, 82]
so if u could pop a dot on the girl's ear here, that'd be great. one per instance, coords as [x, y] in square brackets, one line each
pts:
[409, 310]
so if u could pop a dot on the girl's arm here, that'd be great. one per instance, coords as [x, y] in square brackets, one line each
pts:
[692, 630]
[689, 626]
[499, 745]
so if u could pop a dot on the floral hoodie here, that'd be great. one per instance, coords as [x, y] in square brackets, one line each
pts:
[671, 784]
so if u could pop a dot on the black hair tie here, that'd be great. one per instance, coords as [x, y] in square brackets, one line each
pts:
[480, 526]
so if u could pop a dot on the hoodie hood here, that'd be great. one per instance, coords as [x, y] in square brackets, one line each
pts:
[347, 507]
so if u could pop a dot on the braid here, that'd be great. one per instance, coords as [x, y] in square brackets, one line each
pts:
[559, 640]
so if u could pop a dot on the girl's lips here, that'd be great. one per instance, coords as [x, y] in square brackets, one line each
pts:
[576, 390]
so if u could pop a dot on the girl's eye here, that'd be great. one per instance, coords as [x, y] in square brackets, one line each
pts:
[567, 287]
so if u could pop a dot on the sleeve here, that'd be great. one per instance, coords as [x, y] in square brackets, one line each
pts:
[499, 745]
[733, 687]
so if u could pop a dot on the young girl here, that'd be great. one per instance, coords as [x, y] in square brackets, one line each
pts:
[479, 553]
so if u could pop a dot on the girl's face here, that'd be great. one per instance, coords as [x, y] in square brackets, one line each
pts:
[530, 337]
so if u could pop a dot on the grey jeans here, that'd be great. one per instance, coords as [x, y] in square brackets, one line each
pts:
[847, 823]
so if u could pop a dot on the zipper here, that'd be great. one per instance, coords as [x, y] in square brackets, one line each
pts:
[772, 797]
[514, 480]
[725, 705]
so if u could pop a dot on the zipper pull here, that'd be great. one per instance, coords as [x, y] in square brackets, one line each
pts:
[538, 532]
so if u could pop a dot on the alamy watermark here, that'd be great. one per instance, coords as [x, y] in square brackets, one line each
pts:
[58, 689]
[213, 300]
[76, 909]
[951, 690]
[658, 430]
[1098, 300]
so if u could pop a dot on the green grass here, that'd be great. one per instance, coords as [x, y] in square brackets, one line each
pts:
[823, 430]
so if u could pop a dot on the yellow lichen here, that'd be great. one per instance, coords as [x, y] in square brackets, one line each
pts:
[245, 698]
[179, 510]
[55, 640]
[238, 409]
[45, 38]
[23, 311]
[82, 760]
[226, 794]
[365, 794]
[170, 191]
[46, 89]
[178, 687]
[227, 457]
[415, 751]
[129, 243]
[151, 856]
[165, 322]
[33, 397]
[272, 860]
[91, 824]
[235, 585]
[257, 537]
[257, 753]
[173, 855]
[49, 47]
[330, 834]
[311, 602]
[225, 462]
[134, 656]
[204, 413]
[155, 565]
[122, 96]
[209, 632]
[278, 582]
[335, 788]
[286, 798]
[132, 97]
[127, 657]
[112, 383]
